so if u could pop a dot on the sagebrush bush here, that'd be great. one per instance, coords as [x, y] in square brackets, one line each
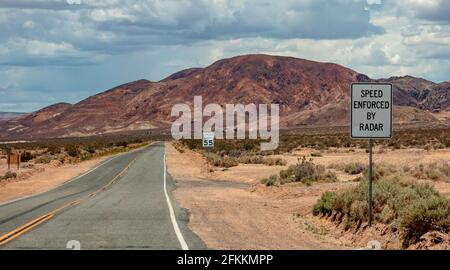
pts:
[72, 150]
[433, 171]
[259, 159]
[220, 161]
[90, 149]
[379, 171]
[53, 149]
[306, 171]
[423, 215]
[275, 161]
[416, 208]
[325, 204]
[270, 181]
[44, 159]
[354, 168]
[9, 175]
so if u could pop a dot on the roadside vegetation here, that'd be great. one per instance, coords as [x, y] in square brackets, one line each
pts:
[72, 150]
[229, 153]
[427, 139]
[352, 168]
[408, 208]
[433, 171]
[305, 171]
[8, 175]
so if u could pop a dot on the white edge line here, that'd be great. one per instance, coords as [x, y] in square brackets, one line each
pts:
[75, 178]
[176, 228]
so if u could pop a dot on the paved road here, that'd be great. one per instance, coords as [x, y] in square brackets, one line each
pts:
[122, 204]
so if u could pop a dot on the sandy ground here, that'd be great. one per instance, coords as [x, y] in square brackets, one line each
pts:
[230, 210]
[40, 178]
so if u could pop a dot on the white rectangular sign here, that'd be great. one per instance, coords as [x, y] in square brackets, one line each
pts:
[371, 110]
[208, 139]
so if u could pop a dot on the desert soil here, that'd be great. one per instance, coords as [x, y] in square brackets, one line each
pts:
[229, 209]
[40, 177]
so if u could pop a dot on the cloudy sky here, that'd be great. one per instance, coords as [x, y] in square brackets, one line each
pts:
[67, 50]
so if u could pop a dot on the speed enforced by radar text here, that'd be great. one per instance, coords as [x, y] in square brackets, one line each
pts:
[371, 110]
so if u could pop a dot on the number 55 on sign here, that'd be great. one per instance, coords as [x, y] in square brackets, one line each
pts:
[208, 139]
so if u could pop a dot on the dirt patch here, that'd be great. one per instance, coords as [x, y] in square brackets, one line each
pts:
[37, 178]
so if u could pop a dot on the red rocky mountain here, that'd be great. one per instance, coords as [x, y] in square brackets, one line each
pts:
[309, 93]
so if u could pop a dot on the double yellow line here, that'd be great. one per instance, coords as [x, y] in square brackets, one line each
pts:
[35, 222]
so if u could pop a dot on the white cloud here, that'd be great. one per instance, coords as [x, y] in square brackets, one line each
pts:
[108, 42]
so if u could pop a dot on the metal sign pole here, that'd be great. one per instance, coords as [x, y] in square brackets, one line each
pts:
[371, 118]
[370, 182]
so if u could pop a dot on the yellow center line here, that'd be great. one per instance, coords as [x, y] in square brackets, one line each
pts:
[24, 228]
[35, 222]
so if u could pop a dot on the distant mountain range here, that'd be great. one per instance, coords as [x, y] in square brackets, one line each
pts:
[309, 94]
[9, 115]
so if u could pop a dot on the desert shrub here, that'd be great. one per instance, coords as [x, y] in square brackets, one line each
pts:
[424, 215]
[259, 159]
[251, 159]
[43, 159]
[220, 161]
[26, 156]
[387, 215]
[270, 181]
[53, 149]
[434, 171]
[275, 161]
[306, 171]
[379, 171]
[72, 150]
[354, 168]
[90, 149]
[178, 146]
[325, 204]
[416, 208]
[9, 175]
[445, 169]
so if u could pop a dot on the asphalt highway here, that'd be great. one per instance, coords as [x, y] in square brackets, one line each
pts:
[124, 203]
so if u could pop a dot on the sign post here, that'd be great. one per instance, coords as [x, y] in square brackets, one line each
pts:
[208, 140]
[371, 118]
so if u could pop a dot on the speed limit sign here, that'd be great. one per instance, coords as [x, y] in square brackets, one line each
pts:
[208, 139]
